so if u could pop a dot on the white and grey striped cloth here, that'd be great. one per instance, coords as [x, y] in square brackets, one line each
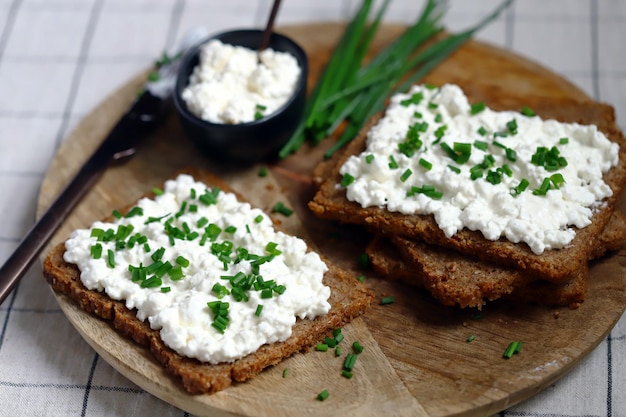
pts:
[60, 58]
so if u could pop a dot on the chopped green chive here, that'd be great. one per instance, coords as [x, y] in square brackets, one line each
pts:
[321, 347]
[322, 396]
[406, 174]
[494, 177]
[165, 289]
[544, 188]
[282, 209]
[331, 342]
[392, 163]
[116, 214]
[479, 144]
[557, 180]
[512, 349]
[157, 255]
[550, 159]
[482, 131]
[110, 258]
[346, 374]
[259, 109]
[427, 190]
[454, 169]
[96, 251]
[477, 108]
[176, 273]
[135, 211]
[258, 219]
[511, 154]
[220, 315]
[369, 158]
[512, 126]
[155, 219]
[413, 142]
[157, 191]
[414, 99]
[520, 188]
[151, 282]
[358, 348]
[182, 261]
[527, 111]
[471, 338]
[364, 260]
[563, 141]
[219, 290]
[439, 133]
[459, 153]
[263, 172]
[387, 300]
[285, 372]
[346, 180]
[210, 196]
[425, 164]
[350, 361]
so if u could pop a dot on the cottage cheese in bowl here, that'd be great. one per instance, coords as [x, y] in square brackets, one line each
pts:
[233, 84]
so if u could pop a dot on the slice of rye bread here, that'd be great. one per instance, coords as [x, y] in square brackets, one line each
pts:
[456, 279]
[556, 266]
[348, 299]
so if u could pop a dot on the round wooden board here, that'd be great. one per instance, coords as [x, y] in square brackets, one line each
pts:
[417, 361]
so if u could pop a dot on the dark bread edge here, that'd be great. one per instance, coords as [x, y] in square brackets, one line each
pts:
[408, 261]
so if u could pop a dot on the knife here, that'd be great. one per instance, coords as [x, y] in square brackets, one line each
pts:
[142, 117]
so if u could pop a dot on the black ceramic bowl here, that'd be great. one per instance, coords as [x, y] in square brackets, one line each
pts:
[253, 141]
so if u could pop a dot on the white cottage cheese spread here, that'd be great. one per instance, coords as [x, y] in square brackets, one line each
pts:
[230, 85]
[414, 164]
[217, 242]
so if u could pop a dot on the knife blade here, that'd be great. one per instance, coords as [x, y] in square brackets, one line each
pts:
[142, 117]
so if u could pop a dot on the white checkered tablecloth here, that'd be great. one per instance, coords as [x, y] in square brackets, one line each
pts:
[59, 58]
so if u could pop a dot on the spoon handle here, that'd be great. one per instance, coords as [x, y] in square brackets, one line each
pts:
[141, 118]
[267, 33]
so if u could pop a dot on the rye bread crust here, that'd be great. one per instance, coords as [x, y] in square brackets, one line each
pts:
[556, 266]
[349, 299]
[456, 279]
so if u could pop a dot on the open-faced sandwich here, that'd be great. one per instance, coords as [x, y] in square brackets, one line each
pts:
[475, 198]
[206, 282]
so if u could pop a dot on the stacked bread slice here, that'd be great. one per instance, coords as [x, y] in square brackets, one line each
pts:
[467, 269]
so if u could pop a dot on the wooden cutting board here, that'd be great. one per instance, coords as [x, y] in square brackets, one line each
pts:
[416, 359]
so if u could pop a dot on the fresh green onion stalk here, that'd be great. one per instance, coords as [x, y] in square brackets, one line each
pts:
[350, 91]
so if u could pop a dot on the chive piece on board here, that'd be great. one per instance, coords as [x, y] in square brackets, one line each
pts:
[387, 300]
[322, 396]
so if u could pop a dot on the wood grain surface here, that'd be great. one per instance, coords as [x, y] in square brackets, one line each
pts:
[416, 359]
